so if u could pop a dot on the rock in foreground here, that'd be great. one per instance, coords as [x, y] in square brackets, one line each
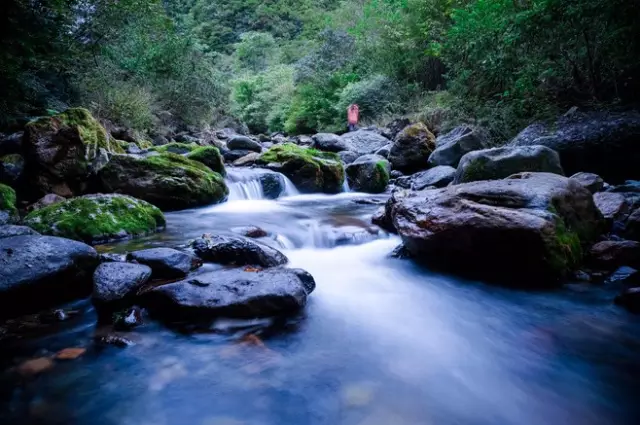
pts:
[232, 293]
[97, 218]
[528, 229]
[39, 271]
[166, 263]
[115, 283]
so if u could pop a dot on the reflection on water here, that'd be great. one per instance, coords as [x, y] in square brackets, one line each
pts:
[382, 342]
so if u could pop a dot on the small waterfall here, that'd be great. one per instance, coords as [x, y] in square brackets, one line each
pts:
[345, 185]
[249, 184]
[326, 236]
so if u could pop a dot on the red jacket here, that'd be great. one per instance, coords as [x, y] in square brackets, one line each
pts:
[352, 114]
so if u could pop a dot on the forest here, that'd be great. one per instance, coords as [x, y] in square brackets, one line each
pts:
[294, 66]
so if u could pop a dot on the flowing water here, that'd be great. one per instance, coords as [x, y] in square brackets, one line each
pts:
[381, 342]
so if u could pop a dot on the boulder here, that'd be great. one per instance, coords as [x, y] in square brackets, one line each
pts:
[439, 176]
[175, 147]
[63, 151]
[632, 226]
[592, 182]
[310, 170]
[11, 144]
[247, 160]
[97, 219]
[451, 147]
[629, 299]
[237, 293]
[384, 151]
[234, 155]
[45, 201]
[529, 228]
[11, 168]
[8, 210]
[498, 163]
[613, 206]
[114, 283]
[253, 232]
[395, 174]
[209, 156]
[273, 185]
[364, 142]
[8, 230]
[169, 181]
[238, 251]
[40, 271]
[604, 143]
[610, 255]
[369, 174]
[329, 142]
[166, 263]
[348, 156]
[411, 149]
[243, 143]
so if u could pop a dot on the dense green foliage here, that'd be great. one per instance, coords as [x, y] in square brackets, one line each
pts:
[289, 65]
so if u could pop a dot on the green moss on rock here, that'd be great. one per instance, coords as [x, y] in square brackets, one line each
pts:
[209, 156]
[97, 218]
[310, 170]
[91, 132]
[170, 181]
[8, 200]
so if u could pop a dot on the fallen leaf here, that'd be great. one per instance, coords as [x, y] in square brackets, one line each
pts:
[252, 269]
[35, 366]
[70, 353]
[251, 339]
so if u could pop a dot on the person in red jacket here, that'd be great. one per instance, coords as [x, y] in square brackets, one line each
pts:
[353, 112]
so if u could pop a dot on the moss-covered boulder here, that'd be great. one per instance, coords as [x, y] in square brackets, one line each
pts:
[309, 169]
[531, 228]
[411, 149]
[8, 210]
[170, 181]
[209, 156]
[498, 163]
[175, 147]
[369, 173]
[63, 151]
[97, 218]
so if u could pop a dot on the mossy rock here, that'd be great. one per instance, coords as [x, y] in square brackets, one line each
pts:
[209, 156]
[369, 173]
[412, 147]
[64, 150]
[11, 168]
[97, 218]
[8, 210]
[170, 181]
[309, 169]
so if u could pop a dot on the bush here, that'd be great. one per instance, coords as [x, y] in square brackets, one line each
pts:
[375, 96]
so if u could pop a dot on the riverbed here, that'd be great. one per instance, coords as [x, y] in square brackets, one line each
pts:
[382, 341]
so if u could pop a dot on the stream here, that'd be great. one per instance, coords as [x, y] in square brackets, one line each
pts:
[382, 341]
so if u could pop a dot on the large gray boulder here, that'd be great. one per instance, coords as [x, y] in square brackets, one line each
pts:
[329, 142]
[498, 163]
[529, 228]
[348, 156]
[451, 147]
[10, 230]
[439, 176]
[411, 149]
[238, 251]
[369, 174]
[604, 143]
[40, 271]
[240, 293]
[364, 141]
[243, 143]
